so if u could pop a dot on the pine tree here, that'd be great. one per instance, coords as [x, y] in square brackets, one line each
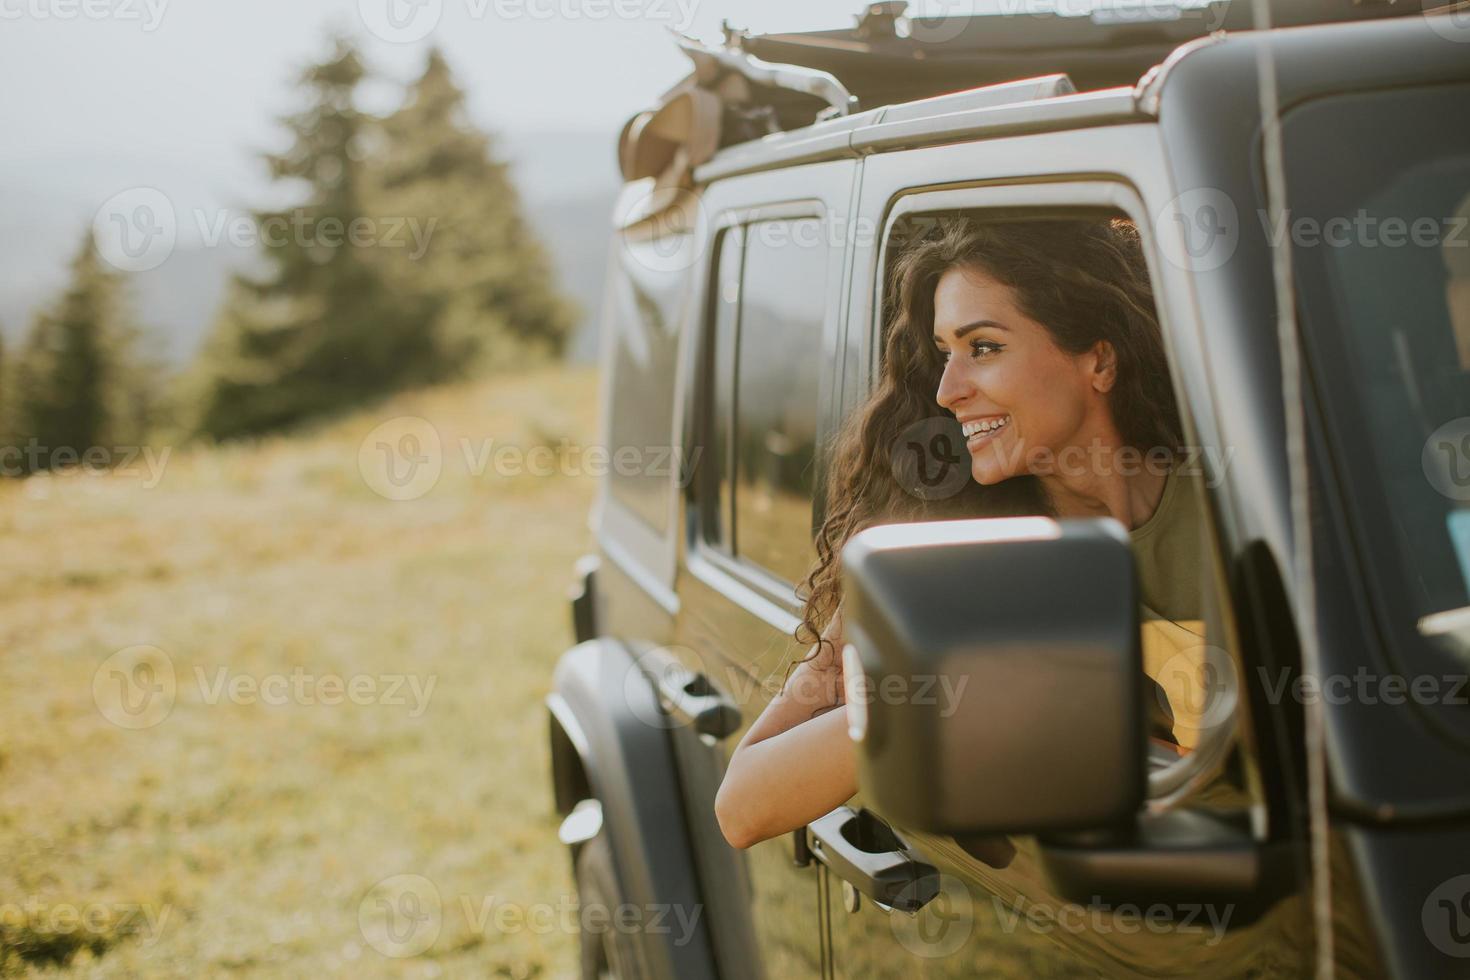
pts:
[77, 381]
[482, 270]
[323, 331]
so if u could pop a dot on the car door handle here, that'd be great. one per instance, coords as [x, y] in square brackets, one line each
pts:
[861, 850]
[692, 699]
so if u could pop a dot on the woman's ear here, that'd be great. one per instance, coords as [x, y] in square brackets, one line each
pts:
[1104, 367]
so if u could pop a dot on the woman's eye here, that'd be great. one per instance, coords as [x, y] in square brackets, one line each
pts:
[984, 348]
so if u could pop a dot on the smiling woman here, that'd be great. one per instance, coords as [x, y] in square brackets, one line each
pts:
[1040, 339]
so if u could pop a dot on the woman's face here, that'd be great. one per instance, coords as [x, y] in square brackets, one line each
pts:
[1021, 399]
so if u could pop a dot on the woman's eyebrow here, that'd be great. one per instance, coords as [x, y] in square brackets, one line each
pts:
[972, 327]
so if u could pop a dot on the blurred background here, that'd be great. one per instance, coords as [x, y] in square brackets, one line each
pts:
[298, 310]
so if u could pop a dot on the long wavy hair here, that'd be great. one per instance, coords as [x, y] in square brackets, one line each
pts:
[1084, 280]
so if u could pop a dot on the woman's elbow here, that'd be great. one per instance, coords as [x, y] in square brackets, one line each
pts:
[734, 818]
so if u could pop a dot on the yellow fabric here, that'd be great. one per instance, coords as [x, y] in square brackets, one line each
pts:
[1174, 656]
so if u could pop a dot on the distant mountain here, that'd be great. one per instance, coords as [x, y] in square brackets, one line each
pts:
[577, 234]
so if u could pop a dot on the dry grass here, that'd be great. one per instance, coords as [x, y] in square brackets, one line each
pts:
[250, 836]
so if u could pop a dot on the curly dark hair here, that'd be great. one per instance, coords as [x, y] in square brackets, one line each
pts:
[1084, 280]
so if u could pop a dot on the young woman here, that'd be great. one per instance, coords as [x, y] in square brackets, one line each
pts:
[1040, 338]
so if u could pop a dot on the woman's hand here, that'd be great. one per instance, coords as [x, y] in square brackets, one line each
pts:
[796, 762]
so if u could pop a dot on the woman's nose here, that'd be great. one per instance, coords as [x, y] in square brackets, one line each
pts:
[954, 387]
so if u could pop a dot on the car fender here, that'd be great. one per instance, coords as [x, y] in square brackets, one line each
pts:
[608, 743]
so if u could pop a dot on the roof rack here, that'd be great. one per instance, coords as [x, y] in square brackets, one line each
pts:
[756, 85]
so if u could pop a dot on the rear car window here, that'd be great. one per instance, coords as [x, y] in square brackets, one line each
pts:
[766, 322]
[1381, 241]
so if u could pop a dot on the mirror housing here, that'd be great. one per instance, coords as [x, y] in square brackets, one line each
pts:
[1024, 632]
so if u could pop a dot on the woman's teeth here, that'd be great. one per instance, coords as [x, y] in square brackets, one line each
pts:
[985, 426]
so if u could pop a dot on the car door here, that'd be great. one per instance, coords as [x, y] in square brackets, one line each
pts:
[1000, 909]
[761, 369]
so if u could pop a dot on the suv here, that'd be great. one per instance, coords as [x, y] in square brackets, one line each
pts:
[1312, 281]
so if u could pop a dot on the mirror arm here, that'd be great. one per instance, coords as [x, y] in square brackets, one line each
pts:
[1177, 859]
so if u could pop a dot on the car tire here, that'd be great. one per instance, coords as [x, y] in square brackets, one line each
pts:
[607, 952]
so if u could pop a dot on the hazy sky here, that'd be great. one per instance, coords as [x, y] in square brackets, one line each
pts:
[202, 80]
[103, 96]
[183, 95]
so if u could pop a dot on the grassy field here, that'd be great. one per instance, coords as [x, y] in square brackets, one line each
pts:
[244, 695]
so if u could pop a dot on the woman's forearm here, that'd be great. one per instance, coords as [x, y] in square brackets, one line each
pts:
[787, 780]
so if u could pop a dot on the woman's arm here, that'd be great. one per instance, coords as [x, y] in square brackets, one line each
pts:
[796, 762]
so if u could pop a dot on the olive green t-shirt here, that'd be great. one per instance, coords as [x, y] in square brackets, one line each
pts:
[1167, 549]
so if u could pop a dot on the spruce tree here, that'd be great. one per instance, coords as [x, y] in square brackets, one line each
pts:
[482, 270]
[323, 331]
[77, 383]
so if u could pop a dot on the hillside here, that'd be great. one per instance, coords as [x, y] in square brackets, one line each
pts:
[174, 762]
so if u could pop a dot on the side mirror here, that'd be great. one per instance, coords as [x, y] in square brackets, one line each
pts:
[1025, 634]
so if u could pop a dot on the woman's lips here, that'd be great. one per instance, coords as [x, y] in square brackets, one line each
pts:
[980, 436]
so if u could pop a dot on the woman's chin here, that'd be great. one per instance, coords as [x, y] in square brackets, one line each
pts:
[987, 474]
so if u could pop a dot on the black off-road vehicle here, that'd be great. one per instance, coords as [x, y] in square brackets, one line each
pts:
[1302, 190]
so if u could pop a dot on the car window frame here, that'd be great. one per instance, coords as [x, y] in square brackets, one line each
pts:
[1056, 198]
[756, 589]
